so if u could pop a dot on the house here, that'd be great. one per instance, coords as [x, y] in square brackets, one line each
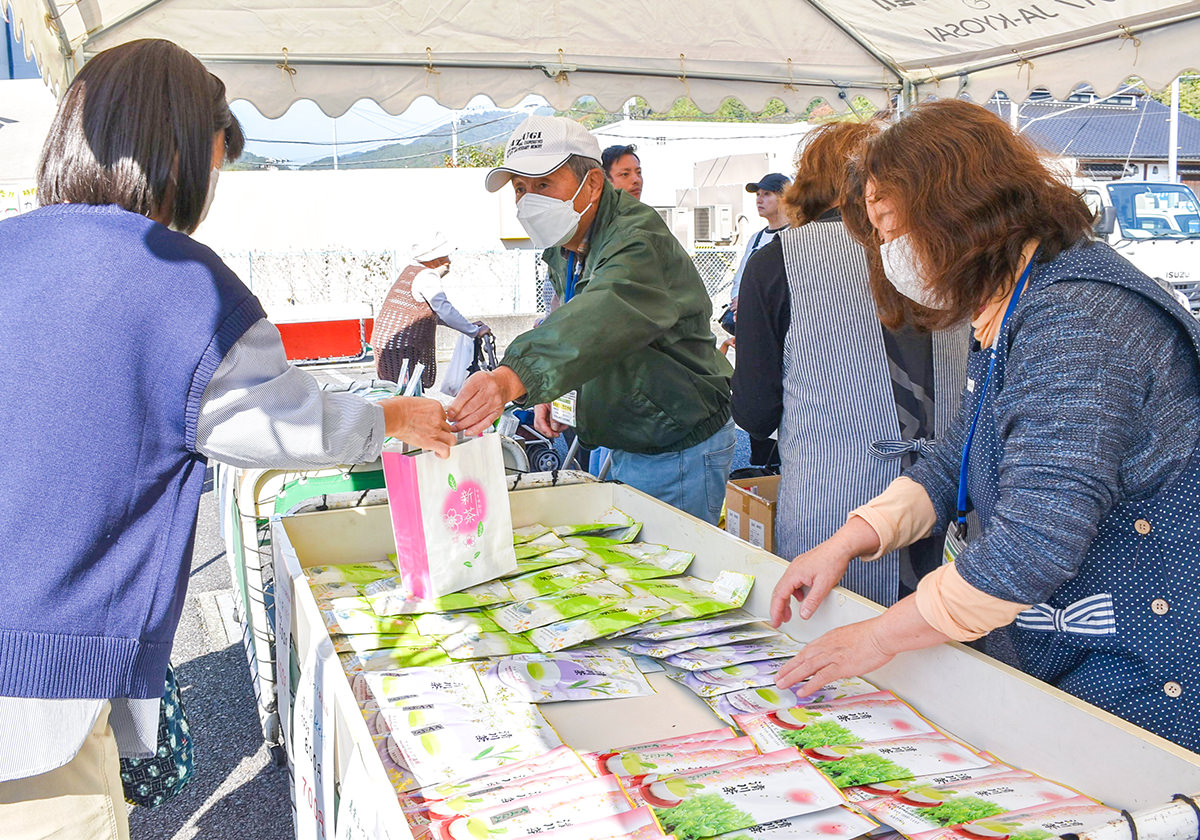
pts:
[1120, 136]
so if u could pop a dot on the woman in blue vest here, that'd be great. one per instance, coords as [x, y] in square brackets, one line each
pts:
[1076, 445]
[169, 361]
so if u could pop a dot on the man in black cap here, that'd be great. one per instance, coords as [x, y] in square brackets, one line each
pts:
[769, 202]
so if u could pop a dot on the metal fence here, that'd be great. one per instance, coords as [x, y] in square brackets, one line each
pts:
[480, 283]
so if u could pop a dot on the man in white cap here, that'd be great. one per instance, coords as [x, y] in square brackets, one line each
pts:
[629, 358]
[406, 327]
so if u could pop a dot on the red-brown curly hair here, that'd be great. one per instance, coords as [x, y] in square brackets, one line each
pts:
[970, 193]
[823, 166]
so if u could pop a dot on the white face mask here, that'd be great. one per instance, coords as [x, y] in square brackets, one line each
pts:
[212, 190]
[549, 221]
[902, 269]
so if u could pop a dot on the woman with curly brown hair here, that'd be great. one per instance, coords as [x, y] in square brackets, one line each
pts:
[851, 400]
[1078, 442]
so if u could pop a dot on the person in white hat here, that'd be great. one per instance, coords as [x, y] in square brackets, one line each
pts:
[630, 351]
[406, 327]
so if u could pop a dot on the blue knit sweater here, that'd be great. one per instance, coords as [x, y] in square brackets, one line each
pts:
[1096, 394]
[113, 326]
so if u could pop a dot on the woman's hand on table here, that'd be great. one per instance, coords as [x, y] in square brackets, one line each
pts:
[811, 576]
[418, 422]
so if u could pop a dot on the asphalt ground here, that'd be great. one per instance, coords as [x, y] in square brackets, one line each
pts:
[236, 791]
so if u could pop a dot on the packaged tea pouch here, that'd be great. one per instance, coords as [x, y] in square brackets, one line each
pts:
[837, 823]
[636, 765]
[548, 581]
[417, 715]
[479, 645]
[539, 545]
[611, 520]
[696, 598]
[596, 625]
[878, 716]
[899, 758]
[1072, 816]
[875, 790]
[618, 536]
[364, 642]
[394, 659]
[747, 793]
[353, 573]
[661, 630]
[770, 699]
[717, 681]
[577, 803]
[670, 647]
[707, 659]
[698, 739]
[450, 624]
[638, 824]
[390, 596]
[545, 609]
[526, 533]
[397, 773]
[922, 812]
[489, 793]
[445, 683]
[549, 559]
[356, 621]
[327, 595]
[560, 758]
[641, 561]
[547, 678]
[442, 752]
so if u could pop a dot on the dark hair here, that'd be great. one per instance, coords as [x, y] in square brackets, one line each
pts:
[135, 129]
[613, 154]
[823, 167]
[971, 194]
[581, 166]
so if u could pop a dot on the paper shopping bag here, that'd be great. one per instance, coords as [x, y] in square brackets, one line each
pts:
[450, 517]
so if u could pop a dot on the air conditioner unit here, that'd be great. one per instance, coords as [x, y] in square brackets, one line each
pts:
[714, 223]
[667, 214]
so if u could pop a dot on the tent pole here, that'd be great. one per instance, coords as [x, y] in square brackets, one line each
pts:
[54, 21]
[1173, 135]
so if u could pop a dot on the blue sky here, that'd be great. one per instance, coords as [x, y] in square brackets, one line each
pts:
[305, 133]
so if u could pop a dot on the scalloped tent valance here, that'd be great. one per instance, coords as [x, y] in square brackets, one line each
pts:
[339, 51]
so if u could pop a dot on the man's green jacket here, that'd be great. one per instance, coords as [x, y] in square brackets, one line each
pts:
[635, 340]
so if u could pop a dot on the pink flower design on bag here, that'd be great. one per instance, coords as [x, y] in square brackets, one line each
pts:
[463, 511]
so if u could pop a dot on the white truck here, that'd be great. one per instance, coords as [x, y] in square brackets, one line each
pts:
[1153, 224]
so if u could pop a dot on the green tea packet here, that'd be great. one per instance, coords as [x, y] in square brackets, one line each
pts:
[364, 642]
[724, 656]
[573, 631]
[481, 645]
[619, 536]
[552, 677]
[611, 520]
[545, 609]
[356, 621]
[539, 545]
[642, 561]
[555, 579]
[681, 628]
[555, 557]
[390, 596]
[355, 573]
[451, 683]
[325, 594]
[449, 624]
[671, 647]
[529, 532]
[696, 598]
[391, 659]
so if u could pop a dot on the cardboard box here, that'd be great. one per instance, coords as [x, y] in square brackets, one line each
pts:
[750, 510]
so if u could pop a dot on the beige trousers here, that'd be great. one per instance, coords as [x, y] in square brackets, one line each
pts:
[81, 799]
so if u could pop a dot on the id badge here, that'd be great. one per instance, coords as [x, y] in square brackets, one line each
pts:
[563, 409]
[956, 541]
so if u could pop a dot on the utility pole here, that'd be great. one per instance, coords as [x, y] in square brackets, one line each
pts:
[335, 152]
[454, 138]
[1173, 143]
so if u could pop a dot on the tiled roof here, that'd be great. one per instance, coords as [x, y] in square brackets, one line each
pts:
[1121, 128]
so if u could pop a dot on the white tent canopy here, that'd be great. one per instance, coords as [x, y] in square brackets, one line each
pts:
[338, 51]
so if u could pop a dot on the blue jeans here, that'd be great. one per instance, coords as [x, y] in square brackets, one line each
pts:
[692, 479]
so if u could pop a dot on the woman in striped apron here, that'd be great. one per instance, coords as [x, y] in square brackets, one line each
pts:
[852, 401]
[1078, 442]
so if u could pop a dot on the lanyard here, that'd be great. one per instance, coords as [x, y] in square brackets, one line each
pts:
[572, 276]
[966, 452]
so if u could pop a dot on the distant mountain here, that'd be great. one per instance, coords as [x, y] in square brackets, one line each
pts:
[487, 130]
[249, 160]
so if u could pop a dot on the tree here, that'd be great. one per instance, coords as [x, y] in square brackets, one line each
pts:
[1189, 96]
[477, 157]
